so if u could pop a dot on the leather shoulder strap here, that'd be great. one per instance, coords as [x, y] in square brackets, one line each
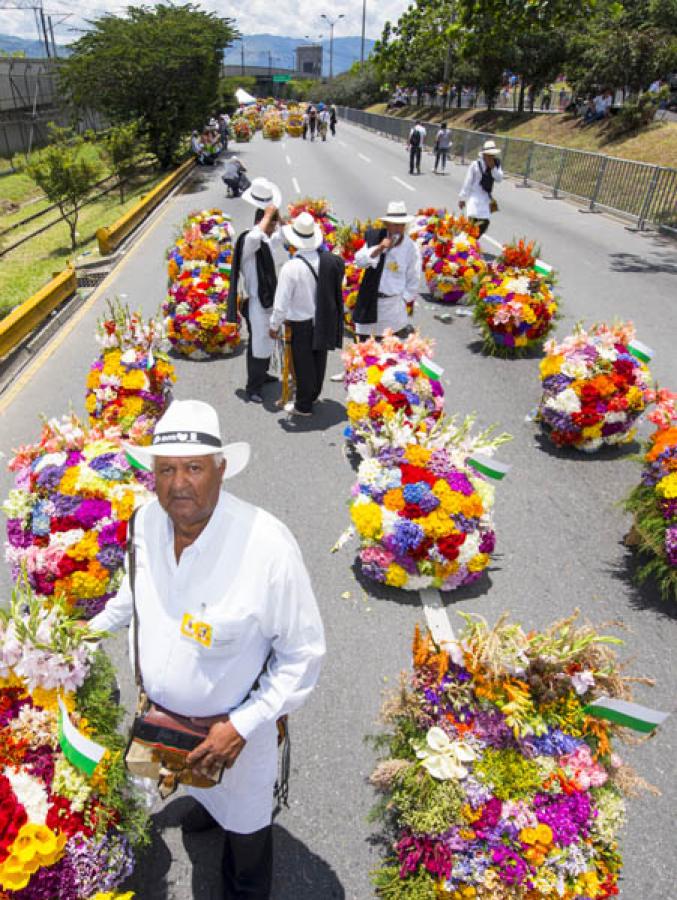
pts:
[131, 553]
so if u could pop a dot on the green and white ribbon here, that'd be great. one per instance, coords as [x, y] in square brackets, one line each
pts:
[79, 750]
[542, 267]
[431, 369]
[488, 466]
[630, 715]
[640, 351]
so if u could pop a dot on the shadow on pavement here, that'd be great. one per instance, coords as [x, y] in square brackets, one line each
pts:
[149, 880]
[326, 414]
[300, 874]
[605, 454]
[632, 262]
[173, 353]
[471, 591]
[644, 596]
[383, 591]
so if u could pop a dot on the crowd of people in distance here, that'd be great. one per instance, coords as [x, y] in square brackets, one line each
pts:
[212, 140]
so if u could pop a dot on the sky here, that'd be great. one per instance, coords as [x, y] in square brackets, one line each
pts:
[293, 18]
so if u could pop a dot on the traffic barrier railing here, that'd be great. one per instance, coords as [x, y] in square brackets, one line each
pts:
[641, 191]
[23, 320]
[111, 237]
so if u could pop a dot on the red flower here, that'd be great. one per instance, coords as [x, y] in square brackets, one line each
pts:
[450, 544]
[12, 817]
[413, 474]
[60, 817]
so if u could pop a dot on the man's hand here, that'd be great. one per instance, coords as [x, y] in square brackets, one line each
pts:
[222, 744]
[274, 333]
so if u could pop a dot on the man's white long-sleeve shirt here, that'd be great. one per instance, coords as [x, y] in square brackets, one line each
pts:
[401, 271]
[476, 198]
[296, 290]
[259, 318]
[245, 579]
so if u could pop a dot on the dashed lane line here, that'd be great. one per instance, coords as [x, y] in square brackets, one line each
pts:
[296, 185]
[403, 183]
[365, 158]
[288, 160]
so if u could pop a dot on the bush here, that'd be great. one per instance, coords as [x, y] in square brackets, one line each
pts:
[637, 114]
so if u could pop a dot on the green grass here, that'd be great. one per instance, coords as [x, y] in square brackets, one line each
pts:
[24, 270]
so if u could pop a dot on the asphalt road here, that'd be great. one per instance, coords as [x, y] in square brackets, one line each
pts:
[559, 525]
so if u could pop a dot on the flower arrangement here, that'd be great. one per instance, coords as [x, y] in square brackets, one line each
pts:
[74, 493]
[350, 239]
[653, 502]
[320, 210]
[252, 114]
[497, 783]
[520, 254]
[273, 128]
[130, 382]
[196, 311]
[207, 236]
[243, 130]
[385, 377]
[421, 511]
[450, 251]
[514, 309]
[596, 384]
[68, 825]
[295, 124]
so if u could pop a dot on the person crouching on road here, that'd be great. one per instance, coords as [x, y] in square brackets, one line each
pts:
[393, 272]
[229, 633]
[477, 190]
[234, 176]
[253, 259]
[309, 298]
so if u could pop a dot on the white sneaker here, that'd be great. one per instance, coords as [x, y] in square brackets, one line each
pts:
[338, 377]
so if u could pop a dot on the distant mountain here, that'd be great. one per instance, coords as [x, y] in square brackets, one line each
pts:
[34, 49]
[257, 47]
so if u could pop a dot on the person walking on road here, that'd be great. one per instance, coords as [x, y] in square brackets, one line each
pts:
[324, 119]
[309, 298]
[442, 149]
[415, 147]
[227, 627]
[305, 122]
[312, 121]
[393, 271]
[333, 118]
[253, 258]
[477, 191]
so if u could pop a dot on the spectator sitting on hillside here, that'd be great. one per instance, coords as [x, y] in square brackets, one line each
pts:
[197, 148]
[601, 108]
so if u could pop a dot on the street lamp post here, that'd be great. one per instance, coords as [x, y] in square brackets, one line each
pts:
[331, 24]
[364, 23]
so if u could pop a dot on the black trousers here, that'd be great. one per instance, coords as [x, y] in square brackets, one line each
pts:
[482, 224]
[248, 865]
[414, 159]
[441, 157]
[309, 365]
[257, 368]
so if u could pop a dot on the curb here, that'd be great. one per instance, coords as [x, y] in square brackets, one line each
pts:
[23, 320]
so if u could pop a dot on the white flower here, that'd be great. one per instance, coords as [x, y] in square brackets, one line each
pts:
[566, 402]
[30, 793]
[389, 520]
[50, 459]
[444, 758]
[359, 392]
[369, 471]
[592, 445]
[129, 356]
[469, 548]
[582, 682]
[389, 380]
[619, 416]
[574, 368]
[66, 539]
[517, 285]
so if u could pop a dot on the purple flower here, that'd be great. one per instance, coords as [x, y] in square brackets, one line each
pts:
[90, 511]
[17, 535]
[373, 571]
[65, 504]
[459, 482]
[671, 544]
[429, 502]
[488, 542]
[111, 557]
[567, 816]
[50, 477]
[440, 464]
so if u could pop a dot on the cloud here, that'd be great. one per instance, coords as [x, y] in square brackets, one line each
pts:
[293, 18]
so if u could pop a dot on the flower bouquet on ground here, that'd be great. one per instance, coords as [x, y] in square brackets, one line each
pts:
[451, 256]
[69, 817]
[207, 236]
[653, 502]
[273, 128]
[243, 130]
[596, 384]
[131, 382]
[196, 312]
[320, 210]
[295, 124]
[350, 239]
[422, 511]
[514, 309]
[498, 783]
[74, 493]
[385, 377]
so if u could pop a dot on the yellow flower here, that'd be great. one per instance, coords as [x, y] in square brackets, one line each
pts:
[450, 501]
[135, 380]
[635, 398]
[472, 506]
[357, 411]
[591, 432]
[373, 375]
[132, 407]
[437, 524]
[667, 487]
[551, 365]
[87, 548]
[396, 576]
[367, 519]
[111, 362]
[123, 505]
[35, 846]
[93, 379]
[418, 456]
[90, 403]
[589, 882]
[478, 562]
[48, 699]
[69, 482]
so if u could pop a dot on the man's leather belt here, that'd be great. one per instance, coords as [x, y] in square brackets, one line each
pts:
[387, 295]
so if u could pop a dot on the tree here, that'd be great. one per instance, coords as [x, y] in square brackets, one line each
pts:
[121, 146]
[66, 174]
[157, 65]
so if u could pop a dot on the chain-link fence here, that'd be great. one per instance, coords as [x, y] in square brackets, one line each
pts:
[640, 191]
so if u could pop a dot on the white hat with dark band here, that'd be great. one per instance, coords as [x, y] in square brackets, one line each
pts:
[190, 428]
[303, 232]
[262, 193]
[397, 213]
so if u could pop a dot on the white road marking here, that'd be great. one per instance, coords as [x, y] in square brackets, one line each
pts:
[365, 158]
[436, 617]
[343, 143]
[485, 237]
[296, 185]
[403, 183]
[288, 160]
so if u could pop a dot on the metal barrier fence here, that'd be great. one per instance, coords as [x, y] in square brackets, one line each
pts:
[640, 191]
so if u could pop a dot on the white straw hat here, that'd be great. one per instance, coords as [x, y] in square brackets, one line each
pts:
[491, 149]
[262, 193]
[397, 213]
[303, 232]
[190, 428]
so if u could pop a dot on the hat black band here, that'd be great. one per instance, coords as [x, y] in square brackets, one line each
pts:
[186, 437]
[304, 237]
[396, 215]
[261, 199]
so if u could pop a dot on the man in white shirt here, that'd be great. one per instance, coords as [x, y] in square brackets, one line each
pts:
[393, 271]
[415, 147]
[254, 260]
[309, 299]
[229, 633]
[477, 191]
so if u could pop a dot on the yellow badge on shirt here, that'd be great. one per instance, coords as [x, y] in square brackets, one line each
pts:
[392, 266]
[196, 631]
